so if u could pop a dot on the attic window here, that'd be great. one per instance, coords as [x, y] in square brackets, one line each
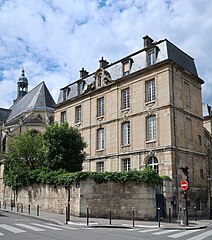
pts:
[80, 87]
[151, 57]
[100, 80]
[66, 93]
[126, 66]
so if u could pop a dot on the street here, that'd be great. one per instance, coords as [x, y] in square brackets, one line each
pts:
[15, 227]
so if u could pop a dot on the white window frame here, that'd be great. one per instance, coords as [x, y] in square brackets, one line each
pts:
[150, 90]
[100, 80]
[125, 98]
[100, 167]
[125, 133]
[151, 128]
[100, 107]
[126, 164]
[151, 57]
[100, 139]
[152, 162]
[78, 114]
[63, 117]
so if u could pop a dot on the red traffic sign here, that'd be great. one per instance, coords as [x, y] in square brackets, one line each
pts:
[184, 185]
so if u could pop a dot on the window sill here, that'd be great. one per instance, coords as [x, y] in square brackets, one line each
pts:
[100, 150]
[125, 110]
[100, 118]
[151, 141]
[150, 102]
[77, 124]
[127, 145]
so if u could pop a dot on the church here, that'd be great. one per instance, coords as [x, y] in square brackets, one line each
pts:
[31, 110]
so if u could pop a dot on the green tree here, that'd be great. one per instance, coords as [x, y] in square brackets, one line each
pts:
[64, 148]
[25, 153]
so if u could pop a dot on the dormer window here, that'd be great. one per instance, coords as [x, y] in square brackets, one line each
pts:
[66, 93]
[99, 80]
[151, 57]
[126, 66]
[80, 87]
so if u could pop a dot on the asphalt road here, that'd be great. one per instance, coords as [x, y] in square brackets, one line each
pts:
[15, 227]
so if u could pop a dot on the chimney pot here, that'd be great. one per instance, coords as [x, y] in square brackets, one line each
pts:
[83, 73]
[103, 63]
[147, 41]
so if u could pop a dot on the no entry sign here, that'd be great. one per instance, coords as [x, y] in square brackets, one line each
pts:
[184, 185]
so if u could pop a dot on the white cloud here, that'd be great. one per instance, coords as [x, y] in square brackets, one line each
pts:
[54, 39]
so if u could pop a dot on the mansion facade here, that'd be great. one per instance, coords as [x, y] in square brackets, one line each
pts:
[144, 110]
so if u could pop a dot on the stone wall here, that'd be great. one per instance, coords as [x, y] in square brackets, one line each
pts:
[100, 198]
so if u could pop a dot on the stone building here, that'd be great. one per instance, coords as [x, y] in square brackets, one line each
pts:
[142, 110]
[31, 110]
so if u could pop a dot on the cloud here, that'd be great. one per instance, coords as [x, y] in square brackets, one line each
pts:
[54, 39]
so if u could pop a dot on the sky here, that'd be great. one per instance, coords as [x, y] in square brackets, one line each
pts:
[54, 39]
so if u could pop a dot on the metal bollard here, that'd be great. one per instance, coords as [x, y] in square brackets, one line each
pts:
[22, 208]
[170, 214]
[37, 210]
[87, 215]
[158, 216]
[0, 204]
[110, 218]
[29, 209]
[133, 216]
[5, 206]
[195, 213]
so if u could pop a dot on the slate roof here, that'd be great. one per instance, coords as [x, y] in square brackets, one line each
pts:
[165, 51]
[39, 98]
[4, 113]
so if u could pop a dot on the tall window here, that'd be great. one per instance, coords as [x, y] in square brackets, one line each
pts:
[100, 167]
[153, 163]
[78, 113]
[187, 93]
[151, 128]
[126, 166]
[63, 117]
[150, 90]
[100, 139]
[126, 68]
[151, 57]
[125, 130]
[125, 98]
[80, 87]
[99, 80]
[100, 106]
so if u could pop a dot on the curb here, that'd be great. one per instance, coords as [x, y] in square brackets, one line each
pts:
[35, 217]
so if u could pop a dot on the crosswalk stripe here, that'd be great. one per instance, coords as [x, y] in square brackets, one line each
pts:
[165, 231]
[65, 227]
[11, 229]
[30, 227]
[149, 230]
[201, 236]
[49, 227]
[184, 233]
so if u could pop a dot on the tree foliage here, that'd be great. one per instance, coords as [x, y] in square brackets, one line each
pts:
[64, 148]
[25, 153]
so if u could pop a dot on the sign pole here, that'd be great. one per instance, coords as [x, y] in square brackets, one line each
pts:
[184, 187]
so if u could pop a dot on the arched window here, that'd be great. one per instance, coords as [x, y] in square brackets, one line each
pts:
[153, 163]
[100, 80]
[40, 117]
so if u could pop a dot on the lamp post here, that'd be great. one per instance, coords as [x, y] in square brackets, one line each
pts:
[209, 197]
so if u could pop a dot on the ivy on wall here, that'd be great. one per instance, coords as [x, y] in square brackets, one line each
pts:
[56, 178]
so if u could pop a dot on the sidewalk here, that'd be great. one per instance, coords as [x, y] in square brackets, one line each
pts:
[102, 222]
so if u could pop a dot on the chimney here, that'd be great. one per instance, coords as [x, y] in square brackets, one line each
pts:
[147, 41]
[103, 63]
[83, 73]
